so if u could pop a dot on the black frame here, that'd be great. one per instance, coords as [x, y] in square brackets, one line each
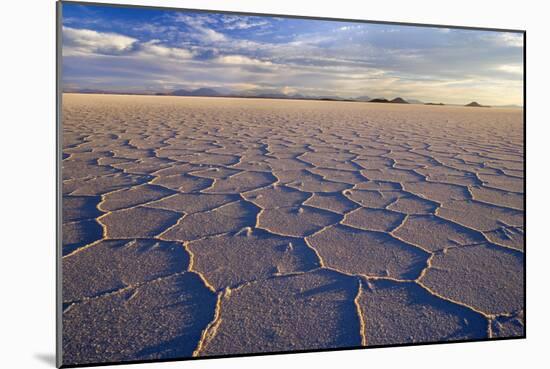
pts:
[59, 196]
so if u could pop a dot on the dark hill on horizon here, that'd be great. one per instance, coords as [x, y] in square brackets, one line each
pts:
[206, 92]
[477, 105]
[363, 98]
[180, 92]
[198, 92]
[397, 100]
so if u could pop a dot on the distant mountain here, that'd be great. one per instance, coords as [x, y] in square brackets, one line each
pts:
[279, 95]
[271, 95]
[414, 101]
[476, 105]
[87, 91]
[205, 92]
[330, 97]
[91, 91]
[180, 92]
[399, 100]
[362, 98]
[434, 104]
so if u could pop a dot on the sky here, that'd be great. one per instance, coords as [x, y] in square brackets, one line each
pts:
[153, 50]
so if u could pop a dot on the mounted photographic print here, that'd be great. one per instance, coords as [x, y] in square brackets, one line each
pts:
[241, 184]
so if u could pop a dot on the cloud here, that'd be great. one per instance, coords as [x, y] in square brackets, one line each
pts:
[154, 49]
[242, 60]
[511, 39]
[350, 27]
[209, 35]
[201, 31]
[85, 41]
[511, 68]
[232, 22]
[288, 90]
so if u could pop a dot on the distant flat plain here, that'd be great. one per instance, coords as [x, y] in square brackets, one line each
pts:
[212, 226]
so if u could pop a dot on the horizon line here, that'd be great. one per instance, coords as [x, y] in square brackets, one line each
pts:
[281, 96]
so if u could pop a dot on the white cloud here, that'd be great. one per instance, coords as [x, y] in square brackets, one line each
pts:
[244, 86]
[511, 68]
[84, 41]
[209, 35]
[153, 48]
[288, 90]
[203, 33]
[510, 39]
[241, 60]
[234, 22]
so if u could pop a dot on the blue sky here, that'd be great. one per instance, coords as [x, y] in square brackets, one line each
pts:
[150, 50]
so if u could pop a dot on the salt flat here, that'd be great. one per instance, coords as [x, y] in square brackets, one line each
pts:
[214, 226]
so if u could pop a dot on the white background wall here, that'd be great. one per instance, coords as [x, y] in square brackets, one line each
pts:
[27, 182]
